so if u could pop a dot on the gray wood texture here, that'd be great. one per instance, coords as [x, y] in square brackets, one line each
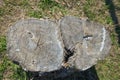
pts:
[35, 45]
[45, 45]
[88, 40]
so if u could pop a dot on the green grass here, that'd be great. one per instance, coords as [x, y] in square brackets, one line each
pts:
[107, 69]
[1, 11]
[2, 43]
[7, 67]
[47, 8]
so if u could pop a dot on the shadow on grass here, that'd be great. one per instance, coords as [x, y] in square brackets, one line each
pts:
[89, 74]
[113, 15]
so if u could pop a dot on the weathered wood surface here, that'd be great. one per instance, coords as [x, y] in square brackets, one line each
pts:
[35, 45]
[44, 45]
[88, 40]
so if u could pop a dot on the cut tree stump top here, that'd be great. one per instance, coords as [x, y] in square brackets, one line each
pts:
[45, 45]
[35, 44]
[90, 41]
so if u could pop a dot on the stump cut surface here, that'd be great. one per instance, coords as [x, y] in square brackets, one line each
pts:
[35, 44]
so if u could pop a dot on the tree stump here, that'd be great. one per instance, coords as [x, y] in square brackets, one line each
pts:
[46, 46]
[87, 40]
[35, 45]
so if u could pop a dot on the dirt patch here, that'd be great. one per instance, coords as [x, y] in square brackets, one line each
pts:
[10, 16]
[1, 3]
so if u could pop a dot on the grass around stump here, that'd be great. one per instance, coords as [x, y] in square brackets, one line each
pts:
[95, 10]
